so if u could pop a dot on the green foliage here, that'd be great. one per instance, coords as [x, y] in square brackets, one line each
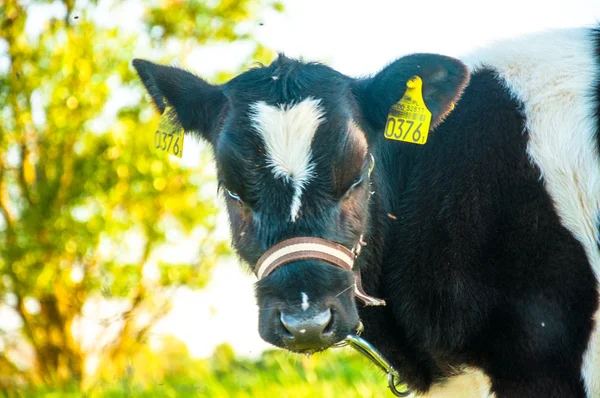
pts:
[85, 202]
[335, 373]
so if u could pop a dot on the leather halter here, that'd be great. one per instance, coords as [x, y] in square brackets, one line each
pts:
[311, 248]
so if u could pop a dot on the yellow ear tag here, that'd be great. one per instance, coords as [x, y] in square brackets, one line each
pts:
[409, 118]
[169, 135]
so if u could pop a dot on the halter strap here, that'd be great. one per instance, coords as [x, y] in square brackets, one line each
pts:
[311, 248]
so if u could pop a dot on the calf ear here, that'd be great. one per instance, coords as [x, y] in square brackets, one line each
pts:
[198, 104]
[444, 80]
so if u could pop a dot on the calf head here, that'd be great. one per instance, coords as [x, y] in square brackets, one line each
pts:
[292, 148]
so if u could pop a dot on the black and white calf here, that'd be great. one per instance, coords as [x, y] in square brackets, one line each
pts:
[484, 241]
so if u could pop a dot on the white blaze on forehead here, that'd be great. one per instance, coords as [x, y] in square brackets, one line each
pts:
[305, 304]
[288, 132]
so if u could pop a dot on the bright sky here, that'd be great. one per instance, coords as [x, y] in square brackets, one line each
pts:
[357, 38]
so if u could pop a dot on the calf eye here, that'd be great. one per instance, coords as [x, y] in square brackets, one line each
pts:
[234, 196]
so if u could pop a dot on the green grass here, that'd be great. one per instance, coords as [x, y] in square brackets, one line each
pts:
[336, 373]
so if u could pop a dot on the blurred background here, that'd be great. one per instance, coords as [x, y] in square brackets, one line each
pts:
[116, 276]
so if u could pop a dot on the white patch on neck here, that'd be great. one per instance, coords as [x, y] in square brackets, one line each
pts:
[288, 132]
[553, 74]
[305, 304]
[471, 382]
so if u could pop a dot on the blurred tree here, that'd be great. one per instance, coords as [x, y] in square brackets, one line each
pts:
[86, 204]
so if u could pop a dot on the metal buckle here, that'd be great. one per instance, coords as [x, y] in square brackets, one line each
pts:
[365, 348]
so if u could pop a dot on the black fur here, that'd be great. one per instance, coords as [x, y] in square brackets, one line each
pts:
[477, 258]
[197, 103]
[463, 240]
[442, 78]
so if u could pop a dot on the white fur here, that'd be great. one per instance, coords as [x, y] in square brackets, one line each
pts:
[305, 303]
[553, 74]
[470, 383]
[288, 132]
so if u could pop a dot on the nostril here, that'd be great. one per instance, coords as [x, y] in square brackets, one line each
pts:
[329, 326]
[286, 330]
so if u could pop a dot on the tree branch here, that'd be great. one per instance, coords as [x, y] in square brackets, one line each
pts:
[137, 301]
[20, 308]
[22, 177]
[4, 206]
[65, 179]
